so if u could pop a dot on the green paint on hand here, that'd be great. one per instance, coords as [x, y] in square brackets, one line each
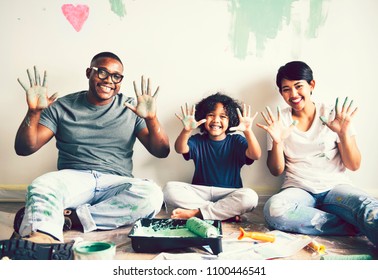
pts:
[118, 7]
[323, 119]
[345, 101]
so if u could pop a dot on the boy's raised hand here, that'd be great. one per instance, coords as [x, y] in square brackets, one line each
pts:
[36, 94]
[245, 119]
[340, 124]
[146, 102]
[274, 127]
[188, 118]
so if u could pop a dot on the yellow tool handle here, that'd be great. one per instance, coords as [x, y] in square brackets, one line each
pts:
[262, 236]
[320, 248]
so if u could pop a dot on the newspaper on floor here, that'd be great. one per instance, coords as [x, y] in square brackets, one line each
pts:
[285, 245]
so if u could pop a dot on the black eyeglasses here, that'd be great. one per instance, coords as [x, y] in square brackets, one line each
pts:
[102, 74]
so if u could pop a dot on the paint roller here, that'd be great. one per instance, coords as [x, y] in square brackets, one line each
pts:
[256, 235]
[201, 227]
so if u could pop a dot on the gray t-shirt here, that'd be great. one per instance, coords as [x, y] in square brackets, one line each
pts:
[91, 137]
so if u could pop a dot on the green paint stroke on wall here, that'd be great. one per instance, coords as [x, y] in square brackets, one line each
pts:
[317, 18]
[118, 7]
[264, 18]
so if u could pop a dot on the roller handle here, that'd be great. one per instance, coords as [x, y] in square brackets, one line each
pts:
[256, 235]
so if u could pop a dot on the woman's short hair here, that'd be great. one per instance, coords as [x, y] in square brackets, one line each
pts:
[292, 71]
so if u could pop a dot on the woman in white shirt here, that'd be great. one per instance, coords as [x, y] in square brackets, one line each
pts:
[314, 144]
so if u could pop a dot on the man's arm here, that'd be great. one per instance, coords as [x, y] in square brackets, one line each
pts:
[31, 136]
[153, 137]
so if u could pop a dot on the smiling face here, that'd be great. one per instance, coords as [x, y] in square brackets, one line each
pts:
[297, 93]
[217, 123]
[102, 91]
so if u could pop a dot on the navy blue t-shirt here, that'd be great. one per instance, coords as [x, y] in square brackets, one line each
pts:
[218, 163]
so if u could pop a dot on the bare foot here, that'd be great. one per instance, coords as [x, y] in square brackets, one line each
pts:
[180, 213]
[236, 219]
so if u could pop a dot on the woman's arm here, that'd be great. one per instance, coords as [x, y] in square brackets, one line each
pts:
[350, 154]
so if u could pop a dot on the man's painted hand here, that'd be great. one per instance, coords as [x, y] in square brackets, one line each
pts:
[36, 93]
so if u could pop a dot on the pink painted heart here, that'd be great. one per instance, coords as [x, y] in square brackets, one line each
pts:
[76, 15]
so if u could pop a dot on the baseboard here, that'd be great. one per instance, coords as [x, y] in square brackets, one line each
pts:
[262, 199]
[12, 193]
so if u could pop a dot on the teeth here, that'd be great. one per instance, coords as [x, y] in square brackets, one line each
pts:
[215, 127]
[296, 100]
[106, 89]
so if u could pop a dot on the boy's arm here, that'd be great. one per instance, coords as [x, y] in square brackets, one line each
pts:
[189, 124]
[254, 150]
[245, 125]
[181, 144]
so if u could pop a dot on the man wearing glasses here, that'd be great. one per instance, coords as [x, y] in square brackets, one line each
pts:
[94, 188]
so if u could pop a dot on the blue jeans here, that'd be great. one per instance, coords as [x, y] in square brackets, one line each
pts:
[343, 210]
[102, 201]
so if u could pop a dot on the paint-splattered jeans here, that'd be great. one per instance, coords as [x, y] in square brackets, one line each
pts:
[102, 201]
[344, 210]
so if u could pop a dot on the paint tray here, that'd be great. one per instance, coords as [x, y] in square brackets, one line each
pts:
[160, 235]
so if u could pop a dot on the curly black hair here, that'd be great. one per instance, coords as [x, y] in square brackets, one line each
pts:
[208, 104]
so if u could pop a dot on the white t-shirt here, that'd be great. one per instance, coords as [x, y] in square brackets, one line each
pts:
[313, 161]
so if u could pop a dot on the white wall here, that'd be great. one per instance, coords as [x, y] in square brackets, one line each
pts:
[188, 47]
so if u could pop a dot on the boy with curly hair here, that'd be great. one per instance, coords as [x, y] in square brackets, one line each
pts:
[216, 191]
